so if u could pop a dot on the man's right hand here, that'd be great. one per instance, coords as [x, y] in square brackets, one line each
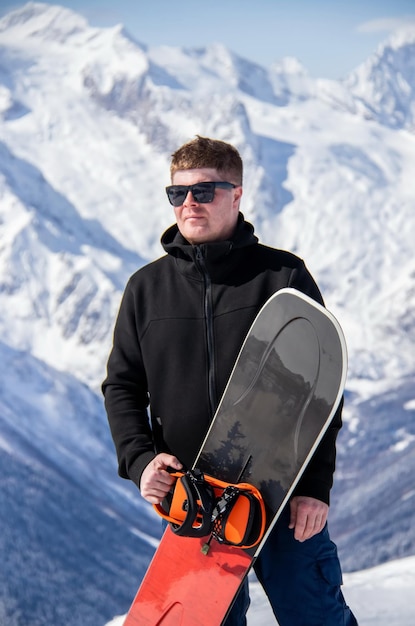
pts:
[155, 480]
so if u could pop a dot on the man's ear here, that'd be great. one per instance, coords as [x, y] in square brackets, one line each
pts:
[237, 195]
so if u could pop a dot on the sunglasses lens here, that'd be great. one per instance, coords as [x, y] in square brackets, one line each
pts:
[202, 192]
[176, 194]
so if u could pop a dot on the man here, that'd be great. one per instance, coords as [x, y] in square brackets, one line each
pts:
[181, 323]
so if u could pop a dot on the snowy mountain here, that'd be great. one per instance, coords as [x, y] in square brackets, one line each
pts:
[88, 119]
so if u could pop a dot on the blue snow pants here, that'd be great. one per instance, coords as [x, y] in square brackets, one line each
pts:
[302, 581]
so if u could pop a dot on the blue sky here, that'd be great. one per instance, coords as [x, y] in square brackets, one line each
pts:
[329, 37]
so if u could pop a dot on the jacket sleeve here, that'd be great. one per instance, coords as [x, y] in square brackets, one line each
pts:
[126, 395]
[317, 479]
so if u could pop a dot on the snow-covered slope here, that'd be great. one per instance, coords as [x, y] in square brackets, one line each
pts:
[88, 119]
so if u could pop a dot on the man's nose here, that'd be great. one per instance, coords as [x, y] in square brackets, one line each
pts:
[189, 199]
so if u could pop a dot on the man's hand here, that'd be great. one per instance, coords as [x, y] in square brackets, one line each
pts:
[155, 480]
[308, 516]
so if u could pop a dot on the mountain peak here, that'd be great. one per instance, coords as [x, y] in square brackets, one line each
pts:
[43, 21]
[403, 36]
[383, 86]
[289, 65]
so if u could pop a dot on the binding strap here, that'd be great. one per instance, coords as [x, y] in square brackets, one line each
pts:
[190, 505]
[199, 505]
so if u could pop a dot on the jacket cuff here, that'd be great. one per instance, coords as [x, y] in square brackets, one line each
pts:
[137, 468]
[317, 489]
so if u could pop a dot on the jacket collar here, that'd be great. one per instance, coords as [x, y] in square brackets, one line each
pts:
[218, 256]
[175, 244]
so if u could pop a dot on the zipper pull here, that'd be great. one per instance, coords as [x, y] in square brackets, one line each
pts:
[200, 260]
[199, 255]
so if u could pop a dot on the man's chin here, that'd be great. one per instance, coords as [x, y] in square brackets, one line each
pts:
[196, 235]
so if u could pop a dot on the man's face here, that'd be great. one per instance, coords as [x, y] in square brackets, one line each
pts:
[212, 221]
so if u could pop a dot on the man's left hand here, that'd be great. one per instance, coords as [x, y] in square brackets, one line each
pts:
[308, 516]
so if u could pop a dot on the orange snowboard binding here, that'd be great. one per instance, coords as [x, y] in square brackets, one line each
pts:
[201, 505]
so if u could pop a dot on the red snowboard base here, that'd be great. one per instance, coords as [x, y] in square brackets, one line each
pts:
[184, 573]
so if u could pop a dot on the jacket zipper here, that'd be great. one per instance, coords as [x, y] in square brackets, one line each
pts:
[208, 309]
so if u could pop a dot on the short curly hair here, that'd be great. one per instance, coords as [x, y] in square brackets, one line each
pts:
[213, 153]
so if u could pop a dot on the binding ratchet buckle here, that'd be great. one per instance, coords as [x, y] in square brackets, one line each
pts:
[200, 505]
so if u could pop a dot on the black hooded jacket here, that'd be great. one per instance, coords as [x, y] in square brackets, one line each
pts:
[181, 323]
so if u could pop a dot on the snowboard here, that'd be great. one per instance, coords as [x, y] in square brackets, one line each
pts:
[282, 394]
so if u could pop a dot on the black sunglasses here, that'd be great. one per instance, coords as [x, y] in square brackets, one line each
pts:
[201, 192]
